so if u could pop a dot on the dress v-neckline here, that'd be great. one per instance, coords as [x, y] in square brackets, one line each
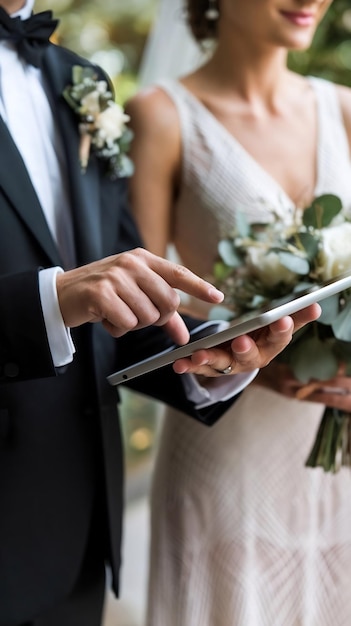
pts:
[249, 157]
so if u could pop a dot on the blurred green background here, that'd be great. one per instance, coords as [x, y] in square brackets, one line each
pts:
[113, 33]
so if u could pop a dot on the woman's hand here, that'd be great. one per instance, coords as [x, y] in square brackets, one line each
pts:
[247, 352]
[335, 392]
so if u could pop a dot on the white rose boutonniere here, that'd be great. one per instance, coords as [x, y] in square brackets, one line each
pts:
[102, 122]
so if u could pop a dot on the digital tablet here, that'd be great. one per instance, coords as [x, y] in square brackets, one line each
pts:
[210, 334]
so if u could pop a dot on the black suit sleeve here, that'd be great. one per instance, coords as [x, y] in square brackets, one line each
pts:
[24, 348]
[163, 384]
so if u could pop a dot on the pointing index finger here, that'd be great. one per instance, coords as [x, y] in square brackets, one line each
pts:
[179, 277]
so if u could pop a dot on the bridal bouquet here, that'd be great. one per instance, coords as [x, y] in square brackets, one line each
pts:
[259, 263]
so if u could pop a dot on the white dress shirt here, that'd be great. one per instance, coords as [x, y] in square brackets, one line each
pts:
[23, 96]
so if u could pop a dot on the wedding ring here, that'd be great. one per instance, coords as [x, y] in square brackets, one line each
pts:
[227, 370]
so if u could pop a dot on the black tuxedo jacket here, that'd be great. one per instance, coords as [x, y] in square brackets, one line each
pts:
[60, 444]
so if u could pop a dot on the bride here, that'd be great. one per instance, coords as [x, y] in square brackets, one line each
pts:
[243, 534]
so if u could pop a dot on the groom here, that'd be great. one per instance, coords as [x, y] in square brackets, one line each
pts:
[60, 445]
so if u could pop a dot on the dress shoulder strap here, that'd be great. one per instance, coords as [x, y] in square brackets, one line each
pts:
[332, 127]
[334, 158]
[189, 114]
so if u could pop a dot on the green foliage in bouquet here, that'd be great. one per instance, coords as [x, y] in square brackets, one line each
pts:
[259, 263]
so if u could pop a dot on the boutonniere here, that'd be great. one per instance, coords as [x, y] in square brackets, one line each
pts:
[102, 124]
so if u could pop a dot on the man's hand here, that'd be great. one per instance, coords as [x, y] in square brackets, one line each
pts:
[129, 291]
[248, 352]
[135, 289]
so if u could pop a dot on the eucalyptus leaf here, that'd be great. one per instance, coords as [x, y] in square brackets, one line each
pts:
[77, 74]
[71, 101]
[322, 211]
[294, 263]
[84, 90]
[220, 313]
[126, 166]
[258, 301]
[302, 286]
[342, 323]
[310, 244]
[228, 254]
[125, 139]
[241, 224]
[330, 309]
[87, 73]
[313, 359]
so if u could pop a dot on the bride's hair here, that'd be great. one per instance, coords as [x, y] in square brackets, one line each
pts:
[201, 27]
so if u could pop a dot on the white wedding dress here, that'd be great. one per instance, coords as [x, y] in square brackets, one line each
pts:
[243, 534]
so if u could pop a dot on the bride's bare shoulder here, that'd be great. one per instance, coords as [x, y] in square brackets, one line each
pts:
[156, 127]
[154, 109]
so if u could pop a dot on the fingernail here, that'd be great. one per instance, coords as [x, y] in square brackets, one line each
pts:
[216, 294]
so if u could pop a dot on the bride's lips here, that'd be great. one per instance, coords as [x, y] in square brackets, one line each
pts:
[300, 18]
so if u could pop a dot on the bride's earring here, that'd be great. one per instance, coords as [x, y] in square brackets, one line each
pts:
[212, 13]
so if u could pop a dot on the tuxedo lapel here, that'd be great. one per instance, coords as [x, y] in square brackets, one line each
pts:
[84, 188]
[17, 186]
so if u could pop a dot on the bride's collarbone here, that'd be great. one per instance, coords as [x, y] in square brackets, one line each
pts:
[276, 142]
[289, 158]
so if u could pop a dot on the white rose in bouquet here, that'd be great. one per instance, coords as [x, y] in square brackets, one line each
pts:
[335, 252]
[268, 268]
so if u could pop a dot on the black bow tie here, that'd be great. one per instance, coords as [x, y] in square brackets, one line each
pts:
[30, 36]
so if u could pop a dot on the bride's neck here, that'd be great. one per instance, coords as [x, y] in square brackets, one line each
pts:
[250, 73]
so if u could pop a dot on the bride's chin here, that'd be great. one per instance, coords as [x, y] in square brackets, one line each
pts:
[300, 38]
[298, 42]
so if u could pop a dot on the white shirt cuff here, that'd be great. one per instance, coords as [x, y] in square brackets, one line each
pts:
[215, 389]
[59, 336]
